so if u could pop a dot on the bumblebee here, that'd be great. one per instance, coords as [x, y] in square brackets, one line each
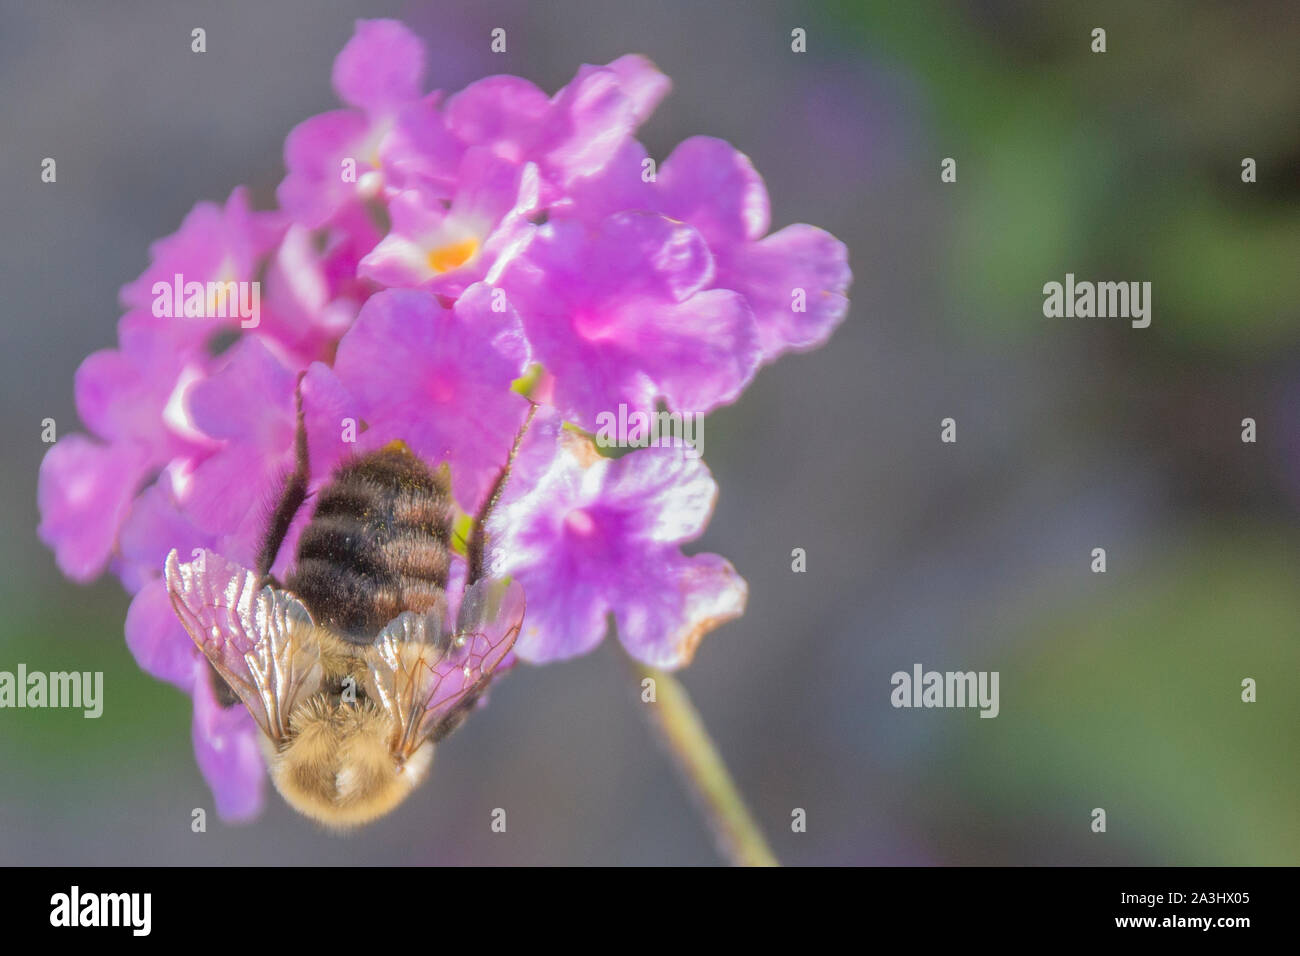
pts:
[352, 669]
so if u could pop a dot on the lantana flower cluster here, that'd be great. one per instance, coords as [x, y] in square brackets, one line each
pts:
[429, 255]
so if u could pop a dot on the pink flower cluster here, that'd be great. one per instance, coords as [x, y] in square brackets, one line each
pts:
[428, 252]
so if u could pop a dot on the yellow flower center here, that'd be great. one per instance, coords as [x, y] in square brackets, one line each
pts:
[452, 256]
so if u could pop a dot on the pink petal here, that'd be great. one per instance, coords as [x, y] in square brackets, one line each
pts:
[673, 495]
[445, 389]
[233, 403]
[226, 748]
[421, 149]
[332, 416]
[158, 640]
[565, 616]
[313, 191]
[695, 595]
[702, 353]
[590, 120]
[713, 186]
[152, 528]
[641, 82]
[768, 272]
[84, 492]
[505, 113]
[381, 67]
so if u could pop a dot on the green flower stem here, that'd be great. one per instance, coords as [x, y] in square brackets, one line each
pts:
[683, 735]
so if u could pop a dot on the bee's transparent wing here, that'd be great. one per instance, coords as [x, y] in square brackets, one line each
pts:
[259, 641]
[428, 679]
[398, 669]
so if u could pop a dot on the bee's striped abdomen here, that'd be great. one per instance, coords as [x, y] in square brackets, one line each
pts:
[378, 544]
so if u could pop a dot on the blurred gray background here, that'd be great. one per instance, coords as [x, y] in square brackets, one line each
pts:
[1117, 690]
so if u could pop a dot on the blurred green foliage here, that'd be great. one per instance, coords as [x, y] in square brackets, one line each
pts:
[86, 635]
[1122, 165]
[1130, 700]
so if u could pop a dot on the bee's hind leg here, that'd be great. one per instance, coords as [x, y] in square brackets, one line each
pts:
[477, 539]
[291, 498]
